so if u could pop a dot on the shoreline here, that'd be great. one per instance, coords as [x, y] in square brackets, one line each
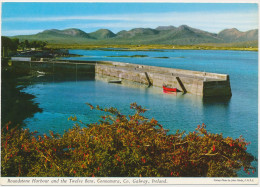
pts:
[16, 105]
[147, 47]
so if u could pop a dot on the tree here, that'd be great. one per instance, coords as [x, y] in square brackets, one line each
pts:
[123, 146]
[33, 44]
[8, 45]
[16, 41]
[26, 44]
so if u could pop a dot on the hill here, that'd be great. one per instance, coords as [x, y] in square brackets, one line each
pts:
[233, 34]
[102, 34]
[168, 35]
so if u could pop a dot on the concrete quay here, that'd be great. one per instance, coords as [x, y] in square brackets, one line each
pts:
[195, 82]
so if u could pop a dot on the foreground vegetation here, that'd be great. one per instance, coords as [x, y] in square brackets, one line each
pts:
[122, 146]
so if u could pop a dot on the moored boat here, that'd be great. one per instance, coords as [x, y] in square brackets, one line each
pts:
[168, 89]
[115, 81]
[171, 93]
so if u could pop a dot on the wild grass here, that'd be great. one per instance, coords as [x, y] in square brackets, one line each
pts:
[116, 47]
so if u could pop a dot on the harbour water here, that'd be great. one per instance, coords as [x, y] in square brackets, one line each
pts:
[233, 117]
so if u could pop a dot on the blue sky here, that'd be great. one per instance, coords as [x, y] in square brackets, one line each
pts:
[31, 18]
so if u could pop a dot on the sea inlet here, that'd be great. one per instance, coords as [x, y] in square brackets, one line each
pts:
[238, 115]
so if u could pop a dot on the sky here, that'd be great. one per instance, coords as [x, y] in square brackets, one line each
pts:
[31, 18]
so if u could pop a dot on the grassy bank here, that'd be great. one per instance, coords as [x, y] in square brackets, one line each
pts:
[148, 47]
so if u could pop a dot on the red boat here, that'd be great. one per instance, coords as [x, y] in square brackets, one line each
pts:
[167, 89]
[172, 93]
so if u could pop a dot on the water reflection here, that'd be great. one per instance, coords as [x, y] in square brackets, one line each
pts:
[16, 105]
[62, 77]
[124, 82]
[216, 100]
[217, 114]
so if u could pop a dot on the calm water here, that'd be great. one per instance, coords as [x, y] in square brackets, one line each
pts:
[233, 117]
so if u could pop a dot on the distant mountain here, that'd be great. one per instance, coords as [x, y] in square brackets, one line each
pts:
[170, 35]
[185, 35]
[67, 36]
[102, 34]
[64, 33]
[230, 35]
[138, 32]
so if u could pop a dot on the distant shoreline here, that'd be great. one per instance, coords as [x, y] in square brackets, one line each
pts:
[147, 47]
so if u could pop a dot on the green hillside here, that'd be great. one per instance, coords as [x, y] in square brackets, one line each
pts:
[166, 35]
[102, 34]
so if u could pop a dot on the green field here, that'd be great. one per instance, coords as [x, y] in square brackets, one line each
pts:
[147, 47]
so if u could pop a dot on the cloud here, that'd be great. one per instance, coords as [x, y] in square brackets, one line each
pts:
[67, 18]
[113, 25]
[147, 17]
[19, 32]
[209, 21]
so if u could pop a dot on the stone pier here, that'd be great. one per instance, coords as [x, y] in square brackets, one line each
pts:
[194, 82]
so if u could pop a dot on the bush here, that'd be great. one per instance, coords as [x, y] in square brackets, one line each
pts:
[122, 146]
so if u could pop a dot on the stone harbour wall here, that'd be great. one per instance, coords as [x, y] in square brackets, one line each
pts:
[194, 82]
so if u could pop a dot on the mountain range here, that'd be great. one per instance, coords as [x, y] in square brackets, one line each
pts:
[169, 35]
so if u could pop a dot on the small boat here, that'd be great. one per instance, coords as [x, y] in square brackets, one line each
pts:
[115, 81]
[167, 89]
[171, 93]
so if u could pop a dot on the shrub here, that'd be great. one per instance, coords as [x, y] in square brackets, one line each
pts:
[122, 146]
